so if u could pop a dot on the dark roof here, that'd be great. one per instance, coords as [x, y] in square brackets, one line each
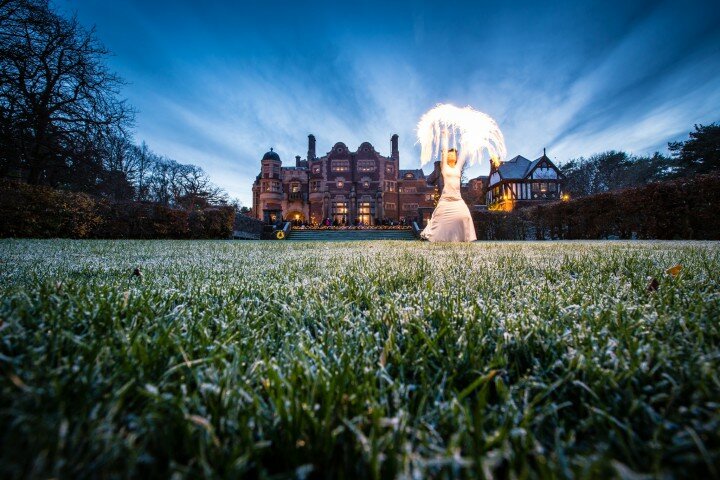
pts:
[418, 173]
[520, 167]
[514, 168]
[535, 162]
[271, 156]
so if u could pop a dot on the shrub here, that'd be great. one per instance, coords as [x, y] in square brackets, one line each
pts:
[212, 222]
[41, 212]
[34, 211]
[679, 209]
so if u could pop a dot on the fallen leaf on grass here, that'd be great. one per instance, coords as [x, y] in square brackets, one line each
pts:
[674, 271]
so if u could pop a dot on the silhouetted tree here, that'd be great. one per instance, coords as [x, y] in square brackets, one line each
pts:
[614, 170]
[57, 98]
[700, 154]
[119, 170]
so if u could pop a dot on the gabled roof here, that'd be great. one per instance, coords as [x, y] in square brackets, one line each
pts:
[547, 160]
[533, 165]
[514, 168]
[520, 167]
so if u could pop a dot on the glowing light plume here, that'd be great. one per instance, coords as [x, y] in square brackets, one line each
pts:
[474, 134]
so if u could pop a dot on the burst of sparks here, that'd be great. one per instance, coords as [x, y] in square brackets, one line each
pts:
[473, 133]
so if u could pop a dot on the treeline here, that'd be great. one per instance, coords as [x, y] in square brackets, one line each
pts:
[64, 125]
[43, 212]
[139, 174]
[612, 170]
[676, 209]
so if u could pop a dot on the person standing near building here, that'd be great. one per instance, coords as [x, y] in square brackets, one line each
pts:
[451, 220]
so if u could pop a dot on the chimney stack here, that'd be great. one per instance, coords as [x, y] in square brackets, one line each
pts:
[394, 142]
[311, 147]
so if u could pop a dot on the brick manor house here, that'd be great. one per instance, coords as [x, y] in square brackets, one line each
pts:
[366, 187]
[345, 186]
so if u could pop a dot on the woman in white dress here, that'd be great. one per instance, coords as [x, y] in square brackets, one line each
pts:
[451, 220]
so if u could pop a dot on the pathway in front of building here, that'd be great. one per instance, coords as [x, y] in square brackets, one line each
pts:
[346, 235]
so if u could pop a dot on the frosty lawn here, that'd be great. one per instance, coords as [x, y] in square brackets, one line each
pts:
[358, 359]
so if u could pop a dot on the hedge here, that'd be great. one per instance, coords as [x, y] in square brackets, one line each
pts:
[679, 209]
[29, 211]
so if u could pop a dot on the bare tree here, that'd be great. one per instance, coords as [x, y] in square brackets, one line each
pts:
[119, 169]
[55, 88]
[144, 158]
[63, 123]
[199, 190]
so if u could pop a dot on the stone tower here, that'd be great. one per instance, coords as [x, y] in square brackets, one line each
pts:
[271, 195]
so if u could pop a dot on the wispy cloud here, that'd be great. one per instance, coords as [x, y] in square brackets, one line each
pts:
[218, 84]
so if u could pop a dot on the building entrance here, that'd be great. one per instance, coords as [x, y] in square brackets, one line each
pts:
[340, 212]
[366, 212]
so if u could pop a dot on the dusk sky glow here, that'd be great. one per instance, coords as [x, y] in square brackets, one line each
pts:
[217, 84]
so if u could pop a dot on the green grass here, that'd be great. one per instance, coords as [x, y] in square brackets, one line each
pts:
[358, 360]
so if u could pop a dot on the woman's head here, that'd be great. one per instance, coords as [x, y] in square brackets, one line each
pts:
[452, 157]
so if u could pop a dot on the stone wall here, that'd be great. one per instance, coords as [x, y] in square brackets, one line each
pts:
[247, 228]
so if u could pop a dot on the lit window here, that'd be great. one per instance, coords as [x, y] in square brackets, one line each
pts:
[340, 184]
[366, 165]
[340, 166]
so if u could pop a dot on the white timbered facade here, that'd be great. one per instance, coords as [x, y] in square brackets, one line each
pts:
[520, 182]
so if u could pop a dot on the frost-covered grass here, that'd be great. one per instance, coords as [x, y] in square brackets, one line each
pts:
[358, 359]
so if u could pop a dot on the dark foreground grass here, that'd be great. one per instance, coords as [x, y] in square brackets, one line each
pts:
[358, 360]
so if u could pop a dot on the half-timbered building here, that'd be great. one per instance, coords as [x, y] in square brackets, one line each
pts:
[520, 182]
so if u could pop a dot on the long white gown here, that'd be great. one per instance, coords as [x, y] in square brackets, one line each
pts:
[451, 220]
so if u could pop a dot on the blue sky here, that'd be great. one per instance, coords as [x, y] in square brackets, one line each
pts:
[218, 83]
